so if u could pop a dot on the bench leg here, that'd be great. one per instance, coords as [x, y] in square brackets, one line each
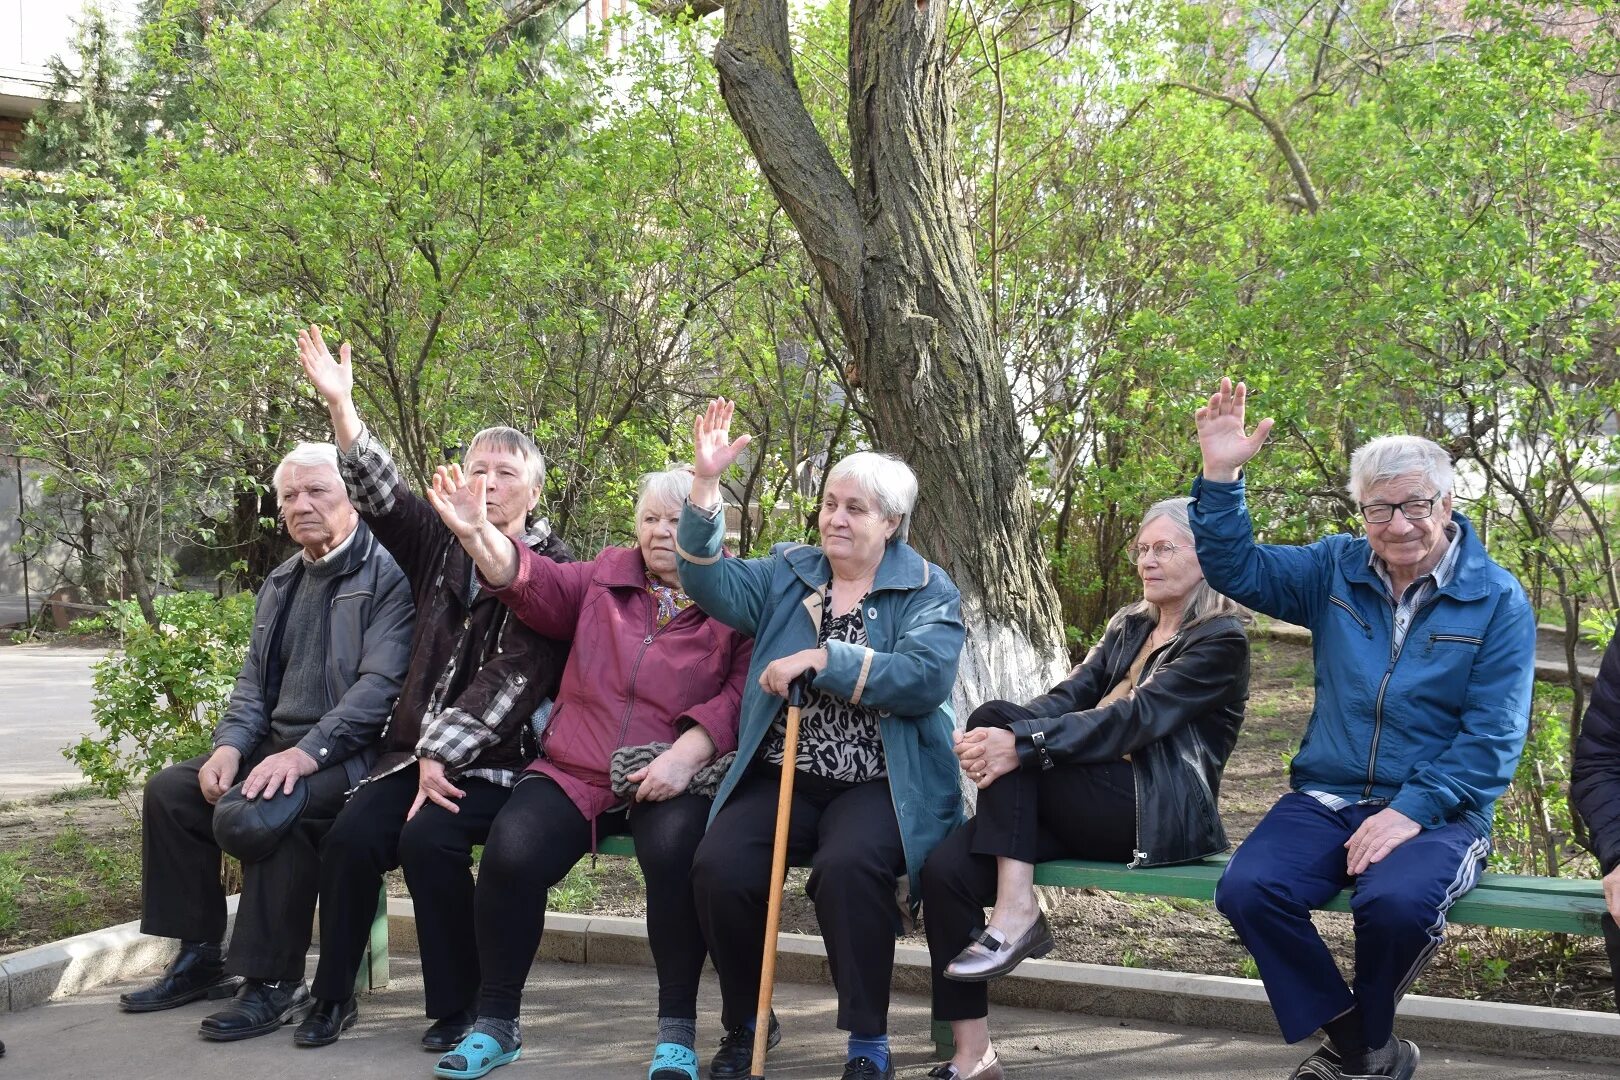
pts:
[944, 1041]
[373, 973]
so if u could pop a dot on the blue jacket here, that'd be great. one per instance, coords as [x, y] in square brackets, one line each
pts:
[1435, 729]
[914, 627]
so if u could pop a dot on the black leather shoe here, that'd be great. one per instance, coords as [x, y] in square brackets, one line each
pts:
[864, 1068]
[1322, 1065]
[736, 1053]
[259, 1008]
[1404, 1063]
[326, 1021]
[198, 972]
[447, 1032]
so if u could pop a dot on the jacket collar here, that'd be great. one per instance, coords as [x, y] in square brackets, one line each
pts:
[902, 568]
[1469, 578]
[354, 556]
[621, 567]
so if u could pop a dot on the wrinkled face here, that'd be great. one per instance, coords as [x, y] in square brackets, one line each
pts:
[1167, 580]
[655, 535]
[315, 508]
[853, 529]
[508, 495]
[1407, 546]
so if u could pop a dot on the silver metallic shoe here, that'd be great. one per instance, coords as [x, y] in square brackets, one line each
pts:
[989, 957]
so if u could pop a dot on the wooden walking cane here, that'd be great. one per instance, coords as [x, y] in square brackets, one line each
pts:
[773, 911]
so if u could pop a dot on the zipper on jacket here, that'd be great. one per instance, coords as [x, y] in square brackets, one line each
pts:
[1354, 614]
[1378, 703]
[646, 643]
[1462, 639]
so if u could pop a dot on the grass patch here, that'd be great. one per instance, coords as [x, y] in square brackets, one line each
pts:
[11, 883]
[1265, 710]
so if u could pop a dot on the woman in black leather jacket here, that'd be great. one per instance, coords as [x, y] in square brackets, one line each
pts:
[1120, 761]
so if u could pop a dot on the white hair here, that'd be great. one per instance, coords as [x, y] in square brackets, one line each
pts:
[669, 488]
[310, 455]
[1395, 456]
[1204, 603]
[512, 441]
[884, 479]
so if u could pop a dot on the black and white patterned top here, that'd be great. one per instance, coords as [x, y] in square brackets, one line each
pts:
[837, 740]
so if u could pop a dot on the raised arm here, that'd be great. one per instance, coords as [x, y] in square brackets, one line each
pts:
[333, 378]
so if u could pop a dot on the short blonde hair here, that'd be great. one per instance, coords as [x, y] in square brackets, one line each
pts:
[512, 441]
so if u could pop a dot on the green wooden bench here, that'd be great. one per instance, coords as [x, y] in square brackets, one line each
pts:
[1505, 901]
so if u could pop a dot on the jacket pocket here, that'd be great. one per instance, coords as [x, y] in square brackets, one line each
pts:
[1349, 610]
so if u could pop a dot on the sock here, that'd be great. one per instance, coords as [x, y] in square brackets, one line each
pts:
[874, 1048]
[1346, 1032]
[680, 1030]
[751, 1023]
[1379, 1062]
[504, 1032]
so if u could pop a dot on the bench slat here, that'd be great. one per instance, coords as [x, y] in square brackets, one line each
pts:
[1559, 905]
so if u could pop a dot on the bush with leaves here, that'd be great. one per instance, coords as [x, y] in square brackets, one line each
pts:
[159, 698]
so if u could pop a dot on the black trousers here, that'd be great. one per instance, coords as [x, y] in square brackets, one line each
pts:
[1032, 815]
[536, 839]
[370, 838]
[181, 895]
[851, 840]
[1611, 942]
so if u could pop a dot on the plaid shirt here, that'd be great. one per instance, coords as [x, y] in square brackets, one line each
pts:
[449, 735]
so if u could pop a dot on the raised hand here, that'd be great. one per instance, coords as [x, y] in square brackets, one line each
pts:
[459, 501]
[1225, 447]
[713, 448]
[332, 378]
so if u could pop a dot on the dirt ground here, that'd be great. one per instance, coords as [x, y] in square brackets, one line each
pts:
[69, 866]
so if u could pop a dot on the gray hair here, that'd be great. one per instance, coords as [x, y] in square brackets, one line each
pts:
[1205, 603]
[670, 487]
[512, 441]
[309, 455]
[1395, 456]
[886, 480]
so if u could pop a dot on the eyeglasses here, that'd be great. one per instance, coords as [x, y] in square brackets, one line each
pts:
[1164, 551]
[1411, 510]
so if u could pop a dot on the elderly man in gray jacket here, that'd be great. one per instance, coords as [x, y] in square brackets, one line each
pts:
[331, 639]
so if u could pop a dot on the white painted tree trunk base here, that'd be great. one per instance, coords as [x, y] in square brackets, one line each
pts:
[999, 661]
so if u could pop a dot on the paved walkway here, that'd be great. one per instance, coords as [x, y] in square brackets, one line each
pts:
[45, 694]
[589, 1021]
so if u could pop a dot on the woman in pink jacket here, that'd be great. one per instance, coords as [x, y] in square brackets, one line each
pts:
[646, 666]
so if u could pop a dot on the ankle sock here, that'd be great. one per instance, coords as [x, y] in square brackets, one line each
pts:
[875, 1048]
[680, 1030]
[504, 1032]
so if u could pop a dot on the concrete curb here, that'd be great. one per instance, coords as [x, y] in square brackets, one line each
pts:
[1211, 1001]
[68, 967]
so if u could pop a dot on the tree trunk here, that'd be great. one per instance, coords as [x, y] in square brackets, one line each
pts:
[895, 260]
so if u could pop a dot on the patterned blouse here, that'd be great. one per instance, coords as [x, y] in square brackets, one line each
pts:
[671, 601]
[837, 740]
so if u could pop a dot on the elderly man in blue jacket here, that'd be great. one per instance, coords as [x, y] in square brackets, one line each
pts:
[1425, 654]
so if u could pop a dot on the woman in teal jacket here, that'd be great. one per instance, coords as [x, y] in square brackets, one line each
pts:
[880, 630]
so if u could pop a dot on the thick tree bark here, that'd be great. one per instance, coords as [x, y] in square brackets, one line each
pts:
[895, 259]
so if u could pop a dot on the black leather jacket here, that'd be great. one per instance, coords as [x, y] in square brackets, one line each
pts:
[1178, 728]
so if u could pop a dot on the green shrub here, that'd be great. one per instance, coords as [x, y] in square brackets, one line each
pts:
[158, 699]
